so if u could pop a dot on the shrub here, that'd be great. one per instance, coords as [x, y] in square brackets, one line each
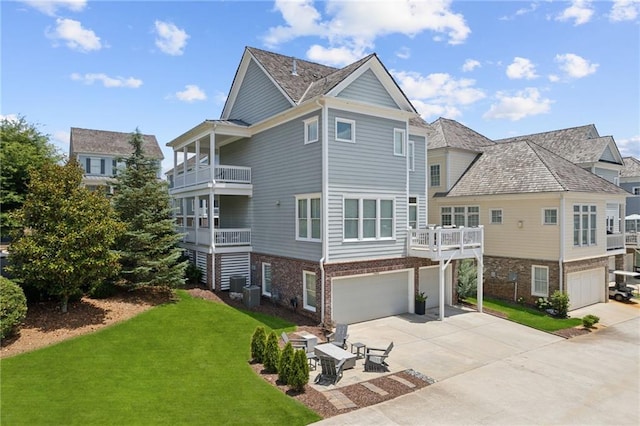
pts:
[103, 290]
[286, 363]
[258, 344]
[13, 307]
[299, 371]
[560, 303]
[467, 279]
[588, 321]
[543, 303]
[521, 301]
[193, 274]
[271, 353]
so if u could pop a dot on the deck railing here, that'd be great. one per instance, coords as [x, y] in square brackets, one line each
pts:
[632, 239]
[615, 241]
[441, 240]
[233, 237]
[221, 174]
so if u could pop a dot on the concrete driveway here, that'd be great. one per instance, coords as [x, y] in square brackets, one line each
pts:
[492, 371]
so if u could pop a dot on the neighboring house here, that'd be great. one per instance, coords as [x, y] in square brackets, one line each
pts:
[101, 153]
[630, 181]
[308, 186]
[546, 218]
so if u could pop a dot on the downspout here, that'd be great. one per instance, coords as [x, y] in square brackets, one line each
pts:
[325, 203]
[562, 238]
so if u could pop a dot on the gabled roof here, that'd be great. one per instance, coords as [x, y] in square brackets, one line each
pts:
[525, 167]
[631, 167]
[90, 141]
[445, 133]
[579, 145]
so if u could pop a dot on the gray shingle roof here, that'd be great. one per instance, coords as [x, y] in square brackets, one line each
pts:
[631, 167]
[579, 145]
[525, 167]
[90, 141]
[449, 133]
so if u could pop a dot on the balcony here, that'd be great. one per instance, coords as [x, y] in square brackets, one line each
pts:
[230, 180]
[632, 239]
[446, 243]
[615, 241]
[223, 237]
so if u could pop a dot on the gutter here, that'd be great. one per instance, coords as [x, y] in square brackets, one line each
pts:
[325, 203]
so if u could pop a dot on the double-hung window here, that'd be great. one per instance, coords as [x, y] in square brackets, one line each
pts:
[345, 130]
[496, 217]
[445, 216]
[584, 224]
[95, 166]
[266, 279]
[411, 154]
[311, 130]
[309, 296]
[434, 175]
[368, 218]
[540, 281]
[308, 223]
[398, 142]
[550, 216]
[460, 216]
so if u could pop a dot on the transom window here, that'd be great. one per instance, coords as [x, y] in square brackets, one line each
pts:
[434, 174]
[550, 216]
[540, 281]
[309, 296]
[496, 216]
[345, 130]
[584, 224]
[311, 130]
[398, 142]
[460, 216]
[308, 223]
[368, 218]
[411, 153]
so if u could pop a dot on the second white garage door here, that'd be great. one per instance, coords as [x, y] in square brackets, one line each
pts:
[585, 287]
[366, 297]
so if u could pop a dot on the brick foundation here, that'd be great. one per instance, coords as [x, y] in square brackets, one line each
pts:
[497, 283]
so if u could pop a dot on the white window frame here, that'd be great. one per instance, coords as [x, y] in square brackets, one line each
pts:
[412, 203]
[306, 305]
[439, 175]
[456, 212]
[401, 151]
[533, 281]
[264, 292]
[591, 236]
[544, 216]
[307, 123]
[352, 123]
[309, 218]
[411, 153]
[378, 218]
[491, 217]
[635, 190]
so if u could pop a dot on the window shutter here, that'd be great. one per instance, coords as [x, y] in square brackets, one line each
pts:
[87, 165]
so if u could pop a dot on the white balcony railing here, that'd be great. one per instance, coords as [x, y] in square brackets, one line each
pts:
[221, 174]
[632, 239]
[437, 242]
[233, 237]
[615, 241]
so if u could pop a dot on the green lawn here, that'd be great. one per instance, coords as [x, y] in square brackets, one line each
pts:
[528, 316]
[182, 363]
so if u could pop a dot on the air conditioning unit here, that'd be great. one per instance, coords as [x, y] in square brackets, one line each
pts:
[251, 296]
[237, 283]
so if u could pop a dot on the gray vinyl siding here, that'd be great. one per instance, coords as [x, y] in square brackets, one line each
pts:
[108, 164]
[258, 98]
[417, 178]
[607, 155]
[367, 88]
[367, 167]
[282, 166]
[234, 212]
[607, 174]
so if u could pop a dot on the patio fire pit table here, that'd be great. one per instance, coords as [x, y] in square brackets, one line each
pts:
[332, 351]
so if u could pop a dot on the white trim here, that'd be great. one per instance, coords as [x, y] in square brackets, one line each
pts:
[533, 281]
[431, 185]
[266, 293]
[491, 221]
[635, 190]
[304, 290]
[308, 198]
[411, 153]
[360, 199]
[544, 216]
[352, 123]
[403, 149]
[307, 122]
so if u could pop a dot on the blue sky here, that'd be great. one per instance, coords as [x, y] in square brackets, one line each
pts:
[503, 68]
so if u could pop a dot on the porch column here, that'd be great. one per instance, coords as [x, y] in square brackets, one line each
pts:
[197, 214]
[175, 166]
[196, 166]
[479, 283]
[442, 268]
[214, 163]
[184, 163]
[212, 229]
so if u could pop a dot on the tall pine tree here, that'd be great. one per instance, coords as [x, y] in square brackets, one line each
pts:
[149, 250]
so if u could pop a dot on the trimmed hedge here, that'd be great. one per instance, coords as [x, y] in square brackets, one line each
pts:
[271, 357]
[13, 307]
[258, 344]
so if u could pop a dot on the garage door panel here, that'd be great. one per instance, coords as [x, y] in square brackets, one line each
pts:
[585, 287]
[368, 297]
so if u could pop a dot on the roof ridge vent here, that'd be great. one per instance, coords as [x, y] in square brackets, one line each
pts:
[294, 68]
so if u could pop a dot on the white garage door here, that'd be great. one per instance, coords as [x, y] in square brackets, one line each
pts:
[366, 297]
[585, 287]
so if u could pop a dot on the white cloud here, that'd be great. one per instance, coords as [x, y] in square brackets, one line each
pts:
[553, 78]
[170, 39]
[335, 56]
[191, 93]
[220, 98]
[522, 11]
[629, 147]
[438, 93]
[624, 10]
[575, 66]
[107, 81]
[50, 7]
[521, 68]
[470, 65]
[75, 36]
[403, 53]
[523, 104]
[355, 25]
[580, 12]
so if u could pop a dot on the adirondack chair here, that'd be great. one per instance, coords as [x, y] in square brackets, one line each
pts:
[331, 371]
[296, 343]
[375, 359]
[340, 336]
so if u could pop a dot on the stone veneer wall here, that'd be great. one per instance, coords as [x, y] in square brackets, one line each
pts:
[496, 277]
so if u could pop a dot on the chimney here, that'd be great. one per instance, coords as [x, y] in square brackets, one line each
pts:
[294, 70]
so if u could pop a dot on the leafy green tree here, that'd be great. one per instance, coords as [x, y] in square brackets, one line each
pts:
[66, 234]
[150, 255]
[271, 353]
[467, 279]
[22, 148]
